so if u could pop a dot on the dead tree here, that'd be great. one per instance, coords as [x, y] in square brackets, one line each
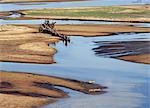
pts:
[50, 29]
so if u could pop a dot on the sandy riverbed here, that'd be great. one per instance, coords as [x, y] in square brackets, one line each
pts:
[89, 30]
[134, 51]
[98, 29]
[141, 58]
[30, 90]
[23, 43]
[15, 101]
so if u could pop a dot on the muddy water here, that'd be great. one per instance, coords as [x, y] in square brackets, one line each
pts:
[128, 82]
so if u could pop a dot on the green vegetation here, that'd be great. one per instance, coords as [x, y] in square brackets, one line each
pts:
[95, 12]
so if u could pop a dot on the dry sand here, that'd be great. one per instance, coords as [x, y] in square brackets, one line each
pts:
[25, 90]
[141, 58]
[89, 30]
[24, 44]
[15, 101]
[98, 29]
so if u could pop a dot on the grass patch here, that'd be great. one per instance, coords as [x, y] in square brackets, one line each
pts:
[96, 12]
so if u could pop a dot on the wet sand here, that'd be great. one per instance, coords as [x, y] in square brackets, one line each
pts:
[134, 51]
[37, 90]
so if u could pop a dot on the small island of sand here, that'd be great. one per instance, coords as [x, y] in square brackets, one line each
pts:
[33, 90]
[24, 43]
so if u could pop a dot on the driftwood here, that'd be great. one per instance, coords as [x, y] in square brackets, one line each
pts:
[49, 28]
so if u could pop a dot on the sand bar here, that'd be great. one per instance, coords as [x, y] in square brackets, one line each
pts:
[24, 44]
[37, 90]
[131, 13]
[141, 58]
[134, 51]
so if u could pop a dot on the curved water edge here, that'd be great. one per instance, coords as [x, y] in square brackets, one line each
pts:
[37, 5]
[127, 81]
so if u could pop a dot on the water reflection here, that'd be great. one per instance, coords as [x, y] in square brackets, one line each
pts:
[65, 42]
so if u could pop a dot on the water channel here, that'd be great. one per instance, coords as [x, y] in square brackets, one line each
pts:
[127, 82]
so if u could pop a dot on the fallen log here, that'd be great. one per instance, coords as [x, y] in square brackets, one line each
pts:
[49, 28]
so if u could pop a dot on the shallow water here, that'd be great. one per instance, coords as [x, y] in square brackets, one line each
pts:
[40, 21]
[19, 6]
[128, 82]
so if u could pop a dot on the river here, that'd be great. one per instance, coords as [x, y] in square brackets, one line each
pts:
[127, 82]
[37, 5]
